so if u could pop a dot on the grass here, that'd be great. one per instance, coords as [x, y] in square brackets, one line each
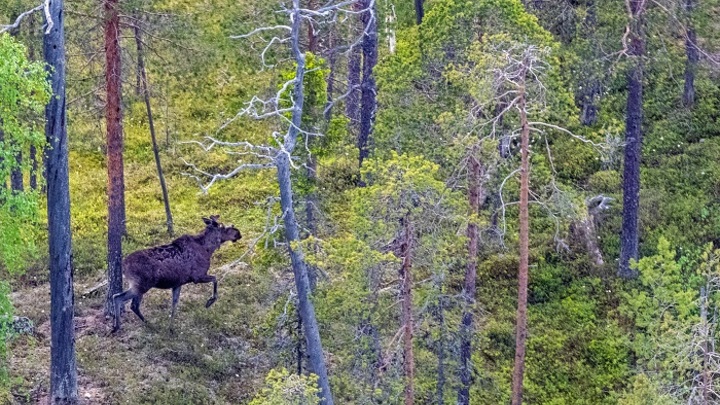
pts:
[208, 356]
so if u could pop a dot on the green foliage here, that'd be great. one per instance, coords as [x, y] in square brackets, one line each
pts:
[283, 388]
[23, 95]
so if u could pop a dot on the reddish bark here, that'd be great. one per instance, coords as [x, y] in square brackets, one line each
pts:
[116, 183]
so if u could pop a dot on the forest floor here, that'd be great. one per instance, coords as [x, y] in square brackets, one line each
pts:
[207, 356]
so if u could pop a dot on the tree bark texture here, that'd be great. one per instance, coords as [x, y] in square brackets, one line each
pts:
[316, 359]
[521, 328]
[63, 371]
[633, 145]
[116, 182]
[407, 307]
[368, 86]
[156, 151]
[475, 196]
[693, 56]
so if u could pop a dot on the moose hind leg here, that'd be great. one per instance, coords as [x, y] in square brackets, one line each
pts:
[209, 279]
[119, 301]
[135, 306]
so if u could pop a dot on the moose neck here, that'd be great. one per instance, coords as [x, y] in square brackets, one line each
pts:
[206, 240]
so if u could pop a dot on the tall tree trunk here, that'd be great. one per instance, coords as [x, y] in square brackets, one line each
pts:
[368, 86]
[116, 182]
[692, 54]
[156, 151]
[63, 371]
[419, 11]
[521, 328]
[407, 306]
[475, 196]
[316, 359]
[633, 144]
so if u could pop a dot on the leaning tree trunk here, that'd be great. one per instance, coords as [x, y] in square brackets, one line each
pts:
[316, 359]
[475, 196]
[407, 318]
[693, 56]
[63, 371]
[116, 186]
[633, 145]
[521, 327]
[156, 151]
[368, 87]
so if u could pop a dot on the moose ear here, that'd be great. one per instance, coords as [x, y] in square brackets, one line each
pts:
[214, 218]
[207, 221]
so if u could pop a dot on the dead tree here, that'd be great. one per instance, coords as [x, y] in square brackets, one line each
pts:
[285, 108]
[63, 370]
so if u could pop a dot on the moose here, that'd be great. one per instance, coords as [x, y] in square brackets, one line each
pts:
[185, 260]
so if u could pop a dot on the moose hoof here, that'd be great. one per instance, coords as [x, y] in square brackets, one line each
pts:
[210, 302]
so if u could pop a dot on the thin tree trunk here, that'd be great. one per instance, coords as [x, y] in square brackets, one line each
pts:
[440, 315]
[521, 328]
[33, 168]
[368, 86]
[419, 11]
[156, 151]
[633, 146]
[31, 57]
[3, 178]
[407, 305]
[316, 359]
[706, 375]
[63, 371]
[116, 186]
[475, 196]
[16, 177]
[693, 56]
[16, 174]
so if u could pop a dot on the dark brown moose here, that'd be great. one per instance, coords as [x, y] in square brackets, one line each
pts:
[185, 260]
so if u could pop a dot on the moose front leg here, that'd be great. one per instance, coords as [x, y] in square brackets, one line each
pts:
[175, 299]
[209, 279]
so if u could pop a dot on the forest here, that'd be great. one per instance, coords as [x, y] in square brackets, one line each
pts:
[359, 202]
